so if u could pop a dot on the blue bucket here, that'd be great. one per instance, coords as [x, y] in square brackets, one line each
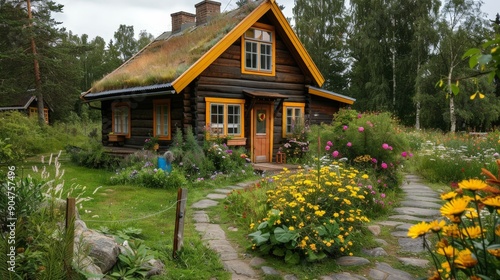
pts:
[164, 165]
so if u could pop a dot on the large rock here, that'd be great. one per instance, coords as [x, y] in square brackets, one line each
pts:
[103, 249]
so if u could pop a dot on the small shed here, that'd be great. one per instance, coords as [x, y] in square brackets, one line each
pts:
[26, 103]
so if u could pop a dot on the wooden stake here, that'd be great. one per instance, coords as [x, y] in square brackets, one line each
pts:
[70, 229]
[180, 214]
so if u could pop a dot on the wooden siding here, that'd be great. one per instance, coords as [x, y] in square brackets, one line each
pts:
[224, 79]
[141, 117]
[322, 109]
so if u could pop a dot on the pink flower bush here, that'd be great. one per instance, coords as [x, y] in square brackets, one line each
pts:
[384, 165]
[335, 154]
[361, 129]
[385, 146]
[329, 143]
[327, 148]
[349, 144]
[345, 127]
[404, 154]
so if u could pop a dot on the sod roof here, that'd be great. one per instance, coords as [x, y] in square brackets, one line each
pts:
[170, 55]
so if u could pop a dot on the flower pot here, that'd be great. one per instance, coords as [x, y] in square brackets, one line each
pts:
[156, 147]
[236, 142]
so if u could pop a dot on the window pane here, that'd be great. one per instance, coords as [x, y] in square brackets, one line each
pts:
[251, 55]
[158, 120]
[265, 57]
[121, 120]
[217, 119]
[233, 119]
[266, 36]
[261, 122]
[165, 123]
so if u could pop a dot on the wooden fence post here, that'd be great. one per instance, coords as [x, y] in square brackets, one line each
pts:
[180, 214]
[70, 229]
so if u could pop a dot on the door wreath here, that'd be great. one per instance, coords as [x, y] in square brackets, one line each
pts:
[262, 117]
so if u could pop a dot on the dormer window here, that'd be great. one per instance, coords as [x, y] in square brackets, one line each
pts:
[258, 50]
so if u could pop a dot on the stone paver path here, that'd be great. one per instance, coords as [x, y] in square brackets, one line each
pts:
[420, 204]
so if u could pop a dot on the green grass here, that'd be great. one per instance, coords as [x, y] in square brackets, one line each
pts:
[120, 206]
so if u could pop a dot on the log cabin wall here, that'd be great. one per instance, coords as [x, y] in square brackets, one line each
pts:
[224, 79]
[141, 117]
[322, 109]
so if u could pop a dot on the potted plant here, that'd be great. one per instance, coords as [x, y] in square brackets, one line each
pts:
[151, 143]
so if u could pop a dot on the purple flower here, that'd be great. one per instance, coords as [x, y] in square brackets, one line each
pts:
[361, 129]
[404, 154]
[345, 127]
[329, 143]
[335, 154]
[382, 195]
[374, 160]
[385, 146]
[327, 148]
[349, 144]
[384, 165]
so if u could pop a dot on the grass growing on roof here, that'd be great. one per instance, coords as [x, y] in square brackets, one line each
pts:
[165, 60]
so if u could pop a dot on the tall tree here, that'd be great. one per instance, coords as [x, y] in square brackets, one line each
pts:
[125, 41]
[321, 26]
[460, 28]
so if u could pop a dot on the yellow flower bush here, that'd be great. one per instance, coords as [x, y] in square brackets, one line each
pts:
[312, 213]
[468, 238]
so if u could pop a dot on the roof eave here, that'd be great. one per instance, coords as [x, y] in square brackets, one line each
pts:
[152, 90]
[331, 95]
[218, 49]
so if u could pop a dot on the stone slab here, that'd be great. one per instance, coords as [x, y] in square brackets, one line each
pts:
[404, 227]
[269, 270]
[351, 261]
[216, 196]
[204, 204]
[425, 198]
[213, 231]
[240, 268]
[420, 204]
[375, 252]
[201, 217]
[409, 218]
[224, 191]
[411, 245]
[414, 211]
[392, 272]
[414, 262]
[389, 223]
[400, 233]
[344, 276]
[417, 187]
[374, 229]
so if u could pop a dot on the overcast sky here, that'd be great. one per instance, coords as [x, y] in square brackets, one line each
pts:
[103, 17]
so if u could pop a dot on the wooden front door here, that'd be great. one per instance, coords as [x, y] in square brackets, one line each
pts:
[262, 121]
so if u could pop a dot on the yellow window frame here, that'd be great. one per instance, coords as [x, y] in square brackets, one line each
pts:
[33, 112]
[288, 105]
[114, 107]
[209, 101]
[157, 103]
[244, 69]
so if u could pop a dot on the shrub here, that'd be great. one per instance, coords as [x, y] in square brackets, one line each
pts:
[93, 155]
[313, 213]
[468, 235]
[368, 141]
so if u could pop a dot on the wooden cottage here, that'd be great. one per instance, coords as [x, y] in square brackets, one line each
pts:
[25, 103]
[243, 75]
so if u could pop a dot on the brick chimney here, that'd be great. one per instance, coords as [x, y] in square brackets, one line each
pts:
[205, 10]
[181, 20]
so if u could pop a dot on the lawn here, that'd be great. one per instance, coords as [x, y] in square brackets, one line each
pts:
[118, 207]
